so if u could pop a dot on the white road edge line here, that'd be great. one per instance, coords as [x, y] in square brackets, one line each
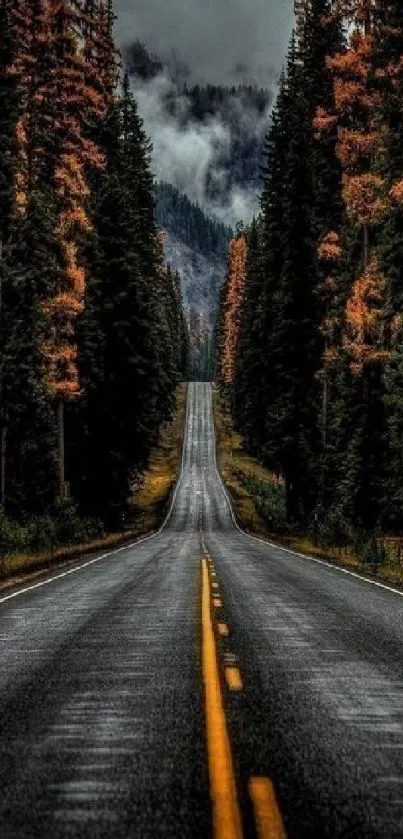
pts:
[128, 547]
[280, 547]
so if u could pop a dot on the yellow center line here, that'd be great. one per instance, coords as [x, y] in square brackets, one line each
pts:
[226, 816]
[234, 678]
[269, 824]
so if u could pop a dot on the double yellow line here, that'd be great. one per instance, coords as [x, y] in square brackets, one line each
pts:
[227, 821]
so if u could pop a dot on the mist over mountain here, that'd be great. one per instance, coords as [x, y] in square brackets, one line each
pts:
[196, 245]
[207, 140]
[220, 42]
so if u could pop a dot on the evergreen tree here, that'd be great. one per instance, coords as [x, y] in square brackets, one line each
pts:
[30, 463]
[249, 360]
[9, 111]
[300, 201]
[129, 355]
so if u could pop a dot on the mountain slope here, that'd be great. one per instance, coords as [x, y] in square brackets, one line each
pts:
[196, 246]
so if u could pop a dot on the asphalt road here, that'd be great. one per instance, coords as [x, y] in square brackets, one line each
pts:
[102, 724]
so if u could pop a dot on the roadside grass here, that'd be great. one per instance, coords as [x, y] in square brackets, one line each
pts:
[258, 502]
[149, 504]
[148, 507]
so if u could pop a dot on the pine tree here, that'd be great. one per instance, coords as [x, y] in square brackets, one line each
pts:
[280, 355]
[9, 114]
[30, 467]
[129, 344]
[389, 23]
[248, 368]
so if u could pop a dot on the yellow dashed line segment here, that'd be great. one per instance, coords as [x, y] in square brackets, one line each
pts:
[234, 678]
[269, 823]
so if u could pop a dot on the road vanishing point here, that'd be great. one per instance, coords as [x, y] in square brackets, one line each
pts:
[201, 683]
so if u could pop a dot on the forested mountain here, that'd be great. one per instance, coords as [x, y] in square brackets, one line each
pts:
[310, 337]
[187, 221]
[92, 333]
[195, 245]
[229, 123]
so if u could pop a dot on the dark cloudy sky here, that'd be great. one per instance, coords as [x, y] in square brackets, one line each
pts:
[220, 40]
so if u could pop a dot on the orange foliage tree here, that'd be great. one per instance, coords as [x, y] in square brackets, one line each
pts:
[360, 148]
[365, 337]
[65, 63]
[237, 254]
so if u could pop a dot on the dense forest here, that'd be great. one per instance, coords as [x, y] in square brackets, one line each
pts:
[187, 222]
[311, 322]
[197, 244]
[92, 333]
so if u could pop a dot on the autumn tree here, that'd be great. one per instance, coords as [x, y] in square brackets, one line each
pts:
[57, 51]
[8, 150]
[235, 289]
[364, 329]
[81, 103]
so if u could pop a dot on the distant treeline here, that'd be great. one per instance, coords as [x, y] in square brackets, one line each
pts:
[187, 222]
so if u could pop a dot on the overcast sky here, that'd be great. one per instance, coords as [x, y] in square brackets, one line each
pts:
[220, 40]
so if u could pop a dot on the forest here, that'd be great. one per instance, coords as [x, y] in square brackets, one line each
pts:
[310, 335]
[93, 338]
[187, 222]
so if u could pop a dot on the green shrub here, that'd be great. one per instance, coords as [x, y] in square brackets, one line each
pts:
[45, 533]
[331, 529]
[370, 550]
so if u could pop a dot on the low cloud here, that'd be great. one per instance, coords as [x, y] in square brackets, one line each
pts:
[220, 41]
[194, 155]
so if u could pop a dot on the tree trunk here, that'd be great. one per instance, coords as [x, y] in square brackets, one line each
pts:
[366, 245]
[3, 436]
[1, 273]
[324, 409]
[60, 448]
[291, 495]
[3, 446]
